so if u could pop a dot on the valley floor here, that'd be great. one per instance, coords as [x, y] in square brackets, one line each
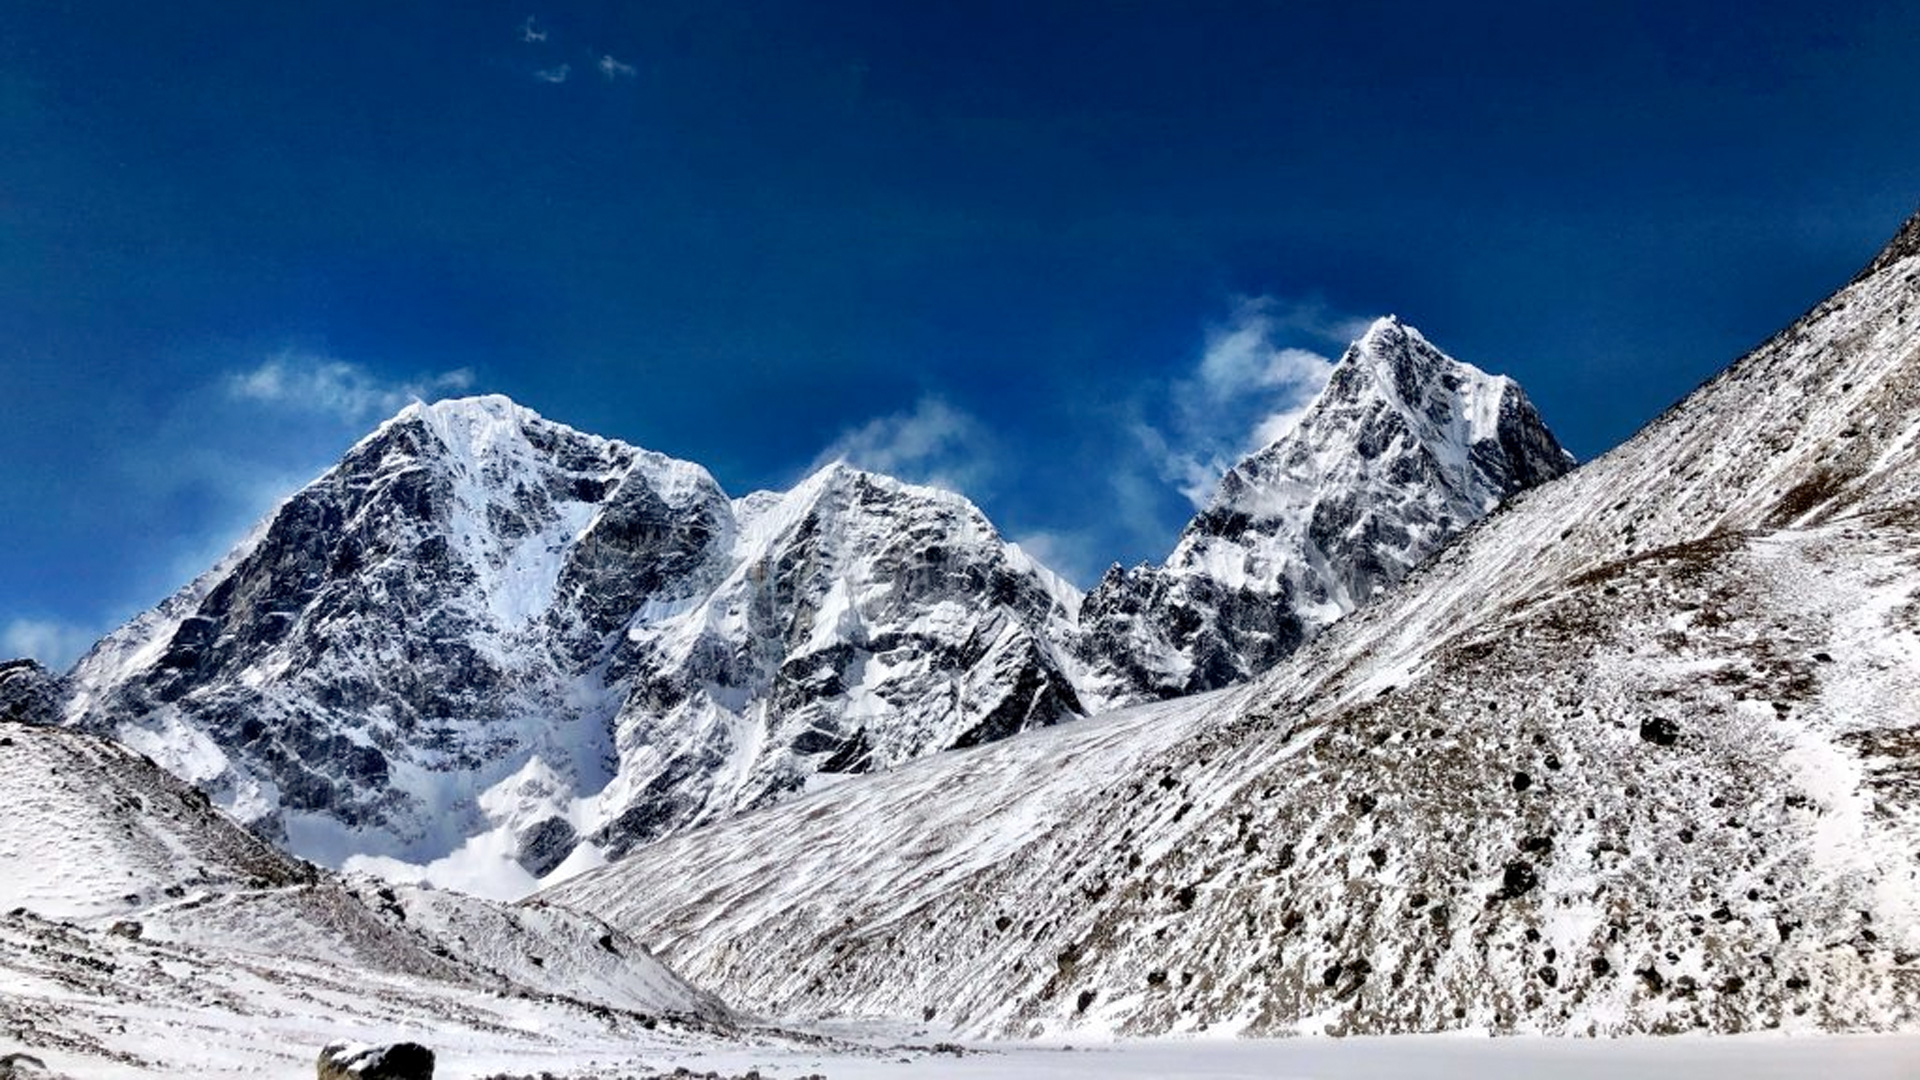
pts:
[1762, 1057]
[92, 1005]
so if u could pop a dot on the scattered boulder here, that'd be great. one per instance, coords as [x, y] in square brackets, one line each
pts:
[1660, 731]
[360, 1061]
[127, 928]
[21, 1067]
[1517, 879]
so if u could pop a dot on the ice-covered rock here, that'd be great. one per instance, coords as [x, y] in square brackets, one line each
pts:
[1402, 450]
[360, 1061]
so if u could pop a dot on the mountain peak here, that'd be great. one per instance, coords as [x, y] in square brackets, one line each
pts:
[1385, 327]
[1403, 448]
[476, 406]
[1391, 345]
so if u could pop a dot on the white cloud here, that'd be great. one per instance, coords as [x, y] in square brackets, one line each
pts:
[933, 444]
[55, 644]
[317, 384]
[1072, 555]
[1311, 318]
[614, 69]
[1255, 376]
[554, 74]
[1243, 360]
[531, 33]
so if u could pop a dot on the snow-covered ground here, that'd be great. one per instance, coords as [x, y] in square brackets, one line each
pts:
[1410, 1057]
[92, 1004]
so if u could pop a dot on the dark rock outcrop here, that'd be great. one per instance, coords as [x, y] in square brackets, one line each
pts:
[358, 1061]
[29, 693]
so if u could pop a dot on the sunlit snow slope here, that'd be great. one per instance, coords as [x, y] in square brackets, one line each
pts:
[1641, 752]
[147, 934]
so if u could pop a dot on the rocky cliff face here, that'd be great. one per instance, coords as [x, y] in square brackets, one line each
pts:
[29, 693]
[486, 631]
[864, 622]
[422, 616]
[1638, 754]
[1403, 449]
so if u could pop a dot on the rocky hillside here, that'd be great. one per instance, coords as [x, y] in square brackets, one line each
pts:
[1637, 754]
[1403, 449]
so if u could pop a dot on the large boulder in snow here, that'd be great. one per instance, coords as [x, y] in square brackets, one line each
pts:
[359, 1061]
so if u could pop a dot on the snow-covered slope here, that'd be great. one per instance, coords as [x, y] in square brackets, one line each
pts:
[100, 836]
[1402, 450]
[133, 904]
[484, 637]
[92, 830]
[1636, 753]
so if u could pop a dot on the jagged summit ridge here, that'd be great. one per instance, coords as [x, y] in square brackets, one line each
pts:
[1402, 449]
[864, 622]
[489, 637]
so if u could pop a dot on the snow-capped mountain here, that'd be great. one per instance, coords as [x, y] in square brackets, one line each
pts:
[1402, 450]
[496, 647]
[1637, 754]
[484, 636]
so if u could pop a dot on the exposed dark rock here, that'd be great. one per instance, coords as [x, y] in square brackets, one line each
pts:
[1517, 879]
[18, 1066]
[1660, 731]
[546, 845]
[358, 1061]
[29, 693]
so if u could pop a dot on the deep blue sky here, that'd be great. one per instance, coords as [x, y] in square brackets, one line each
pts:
[988, 243]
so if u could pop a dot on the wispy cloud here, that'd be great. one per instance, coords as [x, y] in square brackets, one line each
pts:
[55, 644]
[336, 388]
[934, 444]
[611, 68]
[1073, 554]
[1257, 372]
[204, 464]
